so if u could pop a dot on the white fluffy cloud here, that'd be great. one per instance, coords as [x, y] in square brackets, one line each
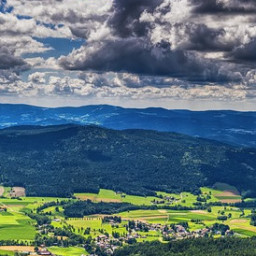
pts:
[113, 85]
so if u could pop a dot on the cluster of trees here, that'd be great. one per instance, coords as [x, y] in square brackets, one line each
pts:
[222, 228]
[253, 218]
[79, 209]
[193, 247]
[15, 242]
[115, 219]
[60, 160]
[140, 225]
[49, 204]
[40, 219]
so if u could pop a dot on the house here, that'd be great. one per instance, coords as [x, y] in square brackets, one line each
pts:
[44, 251]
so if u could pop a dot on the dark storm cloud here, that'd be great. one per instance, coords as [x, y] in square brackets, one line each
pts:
[132, 55]
[203, 38]
[125, 19]
[245, 52]
[216, 6]
[9, 61]
[143, 58]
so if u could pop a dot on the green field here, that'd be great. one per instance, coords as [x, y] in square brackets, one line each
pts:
[74, 251]
[16, 226]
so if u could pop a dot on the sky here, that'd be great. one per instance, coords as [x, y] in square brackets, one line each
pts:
[189, 54]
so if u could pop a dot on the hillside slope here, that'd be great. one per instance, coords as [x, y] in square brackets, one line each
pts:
[60, 160]
[236, 128]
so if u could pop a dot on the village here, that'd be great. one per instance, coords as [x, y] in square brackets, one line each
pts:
[137, 231]
[168, 232]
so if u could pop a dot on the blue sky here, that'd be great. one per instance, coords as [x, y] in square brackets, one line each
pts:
[171, 53]
[59, 46]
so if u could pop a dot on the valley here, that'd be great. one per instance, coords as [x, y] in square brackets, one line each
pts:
[87, 190]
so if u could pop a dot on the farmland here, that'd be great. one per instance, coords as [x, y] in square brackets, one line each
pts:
[105, 195]
[153, 220]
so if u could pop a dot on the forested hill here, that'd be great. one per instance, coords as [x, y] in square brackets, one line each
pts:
[60, 160]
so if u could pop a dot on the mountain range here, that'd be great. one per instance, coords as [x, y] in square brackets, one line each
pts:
[236, 128]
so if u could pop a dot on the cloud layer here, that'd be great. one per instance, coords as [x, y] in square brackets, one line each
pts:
[145, 49]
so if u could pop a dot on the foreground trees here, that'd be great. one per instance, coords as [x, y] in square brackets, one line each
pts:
[193, 247]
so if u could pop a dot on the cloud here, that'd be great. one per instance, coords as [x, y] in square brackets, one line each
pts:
[245, 52]
[143, 41]
[139, 57]
[37, 78]
[125, 20]
[225, 7]
[122, 87]
[137, 48]
[9, 61]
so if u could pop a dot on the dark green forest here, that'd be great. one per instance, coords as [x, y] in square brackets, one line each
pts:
[61, 160]
[193, 247]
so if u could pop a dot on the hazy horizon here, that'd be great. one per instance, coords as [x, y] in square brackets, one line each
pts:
[175, 105]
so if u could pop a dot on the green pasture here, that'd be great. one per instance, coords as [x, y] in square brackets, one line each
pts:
[62, 251]
[16, 226]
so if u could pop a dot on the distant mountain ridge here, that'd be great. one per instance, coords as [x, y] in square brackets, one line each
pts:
[236, 128]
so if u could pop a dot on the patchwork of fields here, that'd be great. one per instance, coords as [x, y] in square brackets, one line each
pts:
[16, 225]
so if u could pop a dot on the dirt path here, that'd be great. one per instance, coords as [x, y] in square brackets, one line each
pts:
[1, 191]
[199, 211]
[18, 248]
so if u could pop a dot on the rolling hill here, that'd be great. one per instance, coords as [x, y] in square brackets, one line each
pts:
[236, 128]
[60, 160]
